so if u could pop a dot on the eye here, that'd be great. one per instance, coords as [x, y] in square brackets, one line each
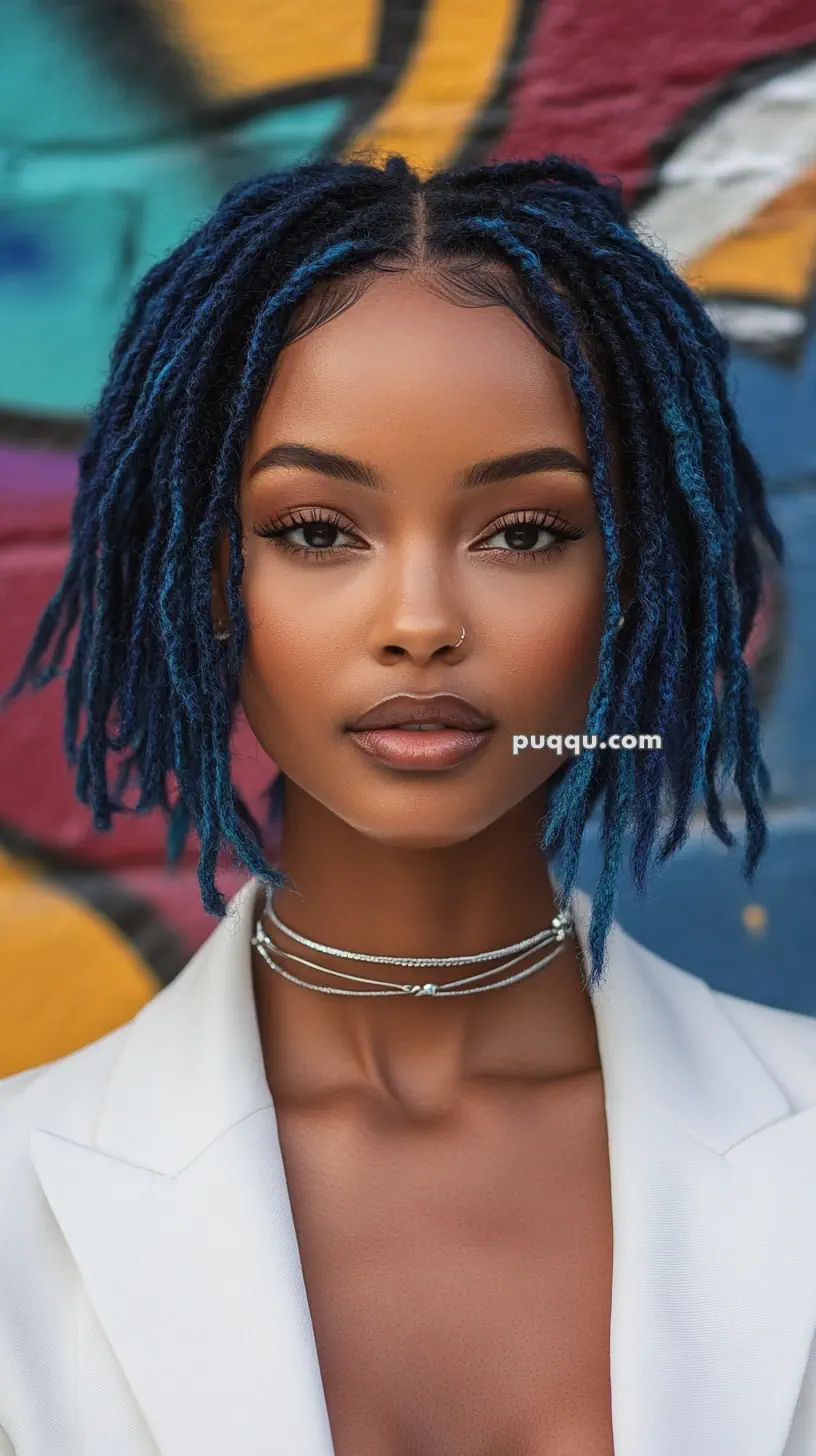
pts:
[522, 532]
[318, 529]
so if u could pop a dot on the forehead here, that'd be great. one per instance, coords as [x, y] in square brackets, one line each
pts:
[407, 358]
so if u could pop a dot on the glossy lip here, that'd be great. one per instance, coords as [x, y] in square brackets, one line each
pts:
[382, 735]
[406, 748]
[446, 709]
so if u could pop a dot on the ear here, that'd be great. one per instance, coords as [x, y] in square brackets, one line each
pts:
[220, 570]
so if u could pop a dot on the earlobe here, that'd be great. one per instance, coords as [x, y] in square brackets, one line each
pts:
[219, 614]
[218, 606]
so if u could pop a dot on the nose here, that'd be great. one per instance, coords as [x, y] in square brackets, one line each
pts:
[422, 616]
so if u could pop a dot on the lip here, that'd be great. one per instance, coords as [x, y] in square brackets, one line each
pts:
[408, 749]
[462, 730]
[446, 709]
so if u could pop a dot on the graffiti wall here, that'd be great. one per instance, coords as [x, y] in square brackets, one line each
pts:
[121, 125]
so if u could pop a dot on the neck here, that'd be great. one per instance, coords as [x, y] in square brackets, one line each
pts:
[461, 899]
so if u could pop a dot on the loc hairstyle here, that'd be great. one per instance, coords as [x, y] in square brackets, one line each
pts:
[159, 474]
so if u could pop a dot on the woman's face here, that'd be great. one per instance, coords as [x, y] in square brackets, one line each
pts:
[383, 564]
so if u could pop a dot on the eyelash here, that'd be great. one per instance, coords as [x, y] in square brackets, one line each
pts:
[277, 530]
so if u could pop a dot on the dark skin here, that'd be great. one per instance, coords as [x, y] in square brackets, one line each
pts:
[447, 1160]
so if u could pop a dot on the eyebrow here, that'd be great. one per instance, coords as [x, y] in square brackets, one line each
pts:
[485, 472]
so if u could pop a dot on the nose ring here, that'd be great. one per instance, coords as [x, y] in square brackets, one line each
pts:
[461, 640]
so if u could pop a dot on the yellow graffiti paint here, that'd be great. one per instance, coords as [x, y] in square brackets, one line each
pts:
[448, 80]
[772, 257]
[250, 46]
[755, 919]
[67, 976]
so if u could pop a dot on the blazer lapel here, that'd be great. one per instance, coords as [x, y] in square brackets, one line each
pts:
[180, 1223]
[713, 1177]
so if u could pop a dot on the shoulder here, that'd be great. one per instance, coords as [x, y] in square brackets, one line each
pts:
[37, 1276]
[65, 1096]
[66, 1091]
[783, 1041]
[660, 1002]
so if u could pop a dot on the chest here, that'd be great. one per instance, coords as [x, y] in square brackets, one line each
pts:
[459, 1277]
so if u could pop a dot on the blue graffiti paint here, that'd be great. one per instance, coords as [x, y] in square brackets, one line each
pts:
[24, 252]
[776, 406]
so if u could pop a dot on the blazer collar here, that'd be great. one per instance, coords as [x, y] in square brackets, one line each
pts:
[179, 1220]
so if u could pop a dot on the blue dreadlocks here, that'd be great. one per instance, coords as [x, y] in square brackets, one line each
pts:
[159, 472]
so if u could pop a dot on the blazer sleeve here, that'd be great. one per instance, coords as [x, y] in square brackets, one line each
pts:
[6, 1448]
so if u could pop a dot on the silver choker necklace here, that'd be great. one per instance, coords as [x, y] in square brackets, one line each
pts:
[556, 932]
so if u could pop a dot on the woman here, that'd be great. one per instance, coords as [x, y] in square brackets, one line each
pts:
[415, 472]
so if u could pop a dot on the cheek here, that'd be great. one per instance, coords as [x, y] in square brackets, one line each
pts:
[292, 646]
[555, 648]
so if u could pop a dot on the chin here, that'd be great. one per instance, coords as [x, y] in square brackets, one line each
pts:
[419, 837]
[420, 826]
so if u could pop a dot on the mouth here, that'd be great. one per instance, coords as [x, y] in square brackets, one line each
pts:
[423, 714]
[419, 734]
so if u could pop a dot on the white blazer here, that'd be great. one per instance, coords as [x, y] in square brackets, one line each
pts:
[151, 1294]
